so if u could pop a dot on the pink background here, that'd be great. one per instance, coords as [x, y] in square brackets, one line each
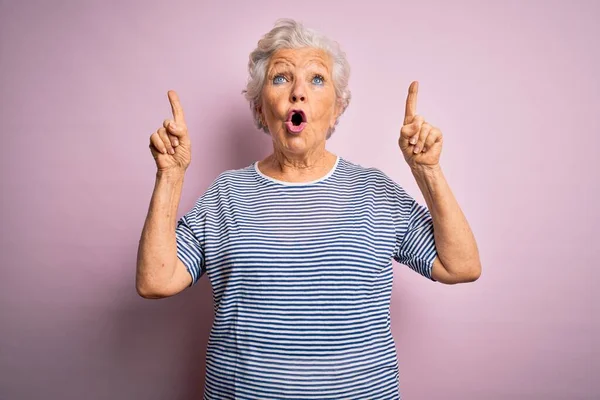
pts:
[512, 85]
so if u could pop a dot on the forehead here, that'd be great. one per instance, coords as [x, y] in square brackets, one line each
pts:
[301, 57]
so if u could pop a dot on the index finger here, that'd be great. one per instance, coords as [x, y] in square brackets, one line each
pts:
[411, 102]
[176, 106]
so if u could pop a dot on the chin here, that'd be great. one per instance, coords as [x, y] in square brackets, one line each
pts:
[296, 149]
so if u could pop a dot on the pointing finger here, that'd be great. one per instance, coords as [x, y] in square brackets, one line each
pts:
[411, 102]
[176, 107]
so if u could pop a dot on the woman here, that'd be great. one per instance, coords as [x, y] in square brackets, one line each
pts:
[298, 246]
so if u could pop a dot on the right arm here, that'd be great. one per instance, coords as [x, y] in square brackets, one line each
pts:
[159, 272]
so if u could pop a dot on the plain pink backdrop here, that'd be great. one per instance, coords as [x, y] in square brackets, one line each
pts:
[513, 86]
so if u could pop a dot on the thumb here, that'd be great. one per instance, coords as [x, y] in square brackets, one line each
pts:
[177, 130]
[408, 131]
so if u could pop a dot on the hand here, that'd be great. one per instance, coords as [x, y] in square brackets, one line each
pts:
[170, 144]
[420, 142]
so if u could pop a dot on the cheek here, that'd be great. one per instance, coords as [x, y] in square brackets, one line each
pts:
[326, 100]
[271, 102]
[325, 109]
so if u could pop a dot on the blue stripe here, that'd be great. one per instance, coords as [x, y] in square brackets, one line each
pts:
[302, 279]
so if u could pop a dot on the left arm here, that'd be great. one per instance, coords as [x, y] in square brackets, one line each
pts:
[458, 257]
[421, 144]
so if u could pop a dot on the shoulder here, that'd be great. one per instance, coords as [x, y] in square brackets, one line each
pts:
[232, 178]
[375, 178]
[366, 174]
[225, 184]
[235, 174]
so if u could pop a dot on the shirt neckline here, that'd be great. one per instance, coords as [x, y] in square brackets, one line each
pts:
[285, 183]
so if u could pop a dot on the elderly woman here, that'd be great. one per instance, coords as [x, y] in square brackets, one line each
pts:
[299, 246]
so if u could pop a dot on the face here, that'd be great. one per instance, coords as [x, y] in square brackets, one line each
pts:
[298, 99]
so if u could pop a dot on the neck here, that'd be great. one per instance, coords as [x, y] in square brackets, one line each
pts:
[299, 163]
[298, 167]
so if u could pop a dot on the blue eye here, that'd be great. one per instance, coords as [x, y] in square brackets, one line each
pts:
[277, 79]
[318, 80]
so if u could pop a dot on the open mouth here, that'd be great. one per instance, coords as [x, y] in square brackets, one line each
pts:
[296, 117]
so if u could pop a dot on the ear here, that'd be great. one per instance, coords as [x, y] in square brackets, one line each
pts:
[261, 117]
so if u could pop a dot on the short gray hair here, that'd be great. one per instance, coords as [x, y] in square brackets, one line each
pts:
[290, 34]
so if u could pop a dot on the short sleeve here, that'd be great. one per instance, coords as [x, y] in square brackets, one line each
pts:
[415, 241]
[190, 241]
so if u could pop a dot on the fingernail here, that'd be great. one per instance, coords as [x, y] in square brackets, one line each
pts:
[164, 151]
[416, 150]
[172, 126]
[413, 140]
[175, 142]
[172, 151]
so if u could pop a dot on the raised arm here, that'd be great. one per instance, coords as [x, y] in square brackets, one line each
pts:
[421, 143]
[159, 272]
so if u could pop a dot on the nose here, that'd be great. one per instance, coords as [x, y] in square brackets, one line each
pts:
[298, 93]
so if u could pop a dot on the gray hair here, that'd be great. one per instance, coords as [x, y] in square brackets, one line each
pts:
[290, 34]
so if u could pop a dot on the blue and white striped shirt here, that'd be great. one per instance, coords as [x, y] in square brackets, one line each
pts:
[302, 279]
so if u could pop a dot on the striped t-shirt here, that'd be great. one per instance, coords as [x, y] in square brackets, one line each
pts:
[301, 275]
